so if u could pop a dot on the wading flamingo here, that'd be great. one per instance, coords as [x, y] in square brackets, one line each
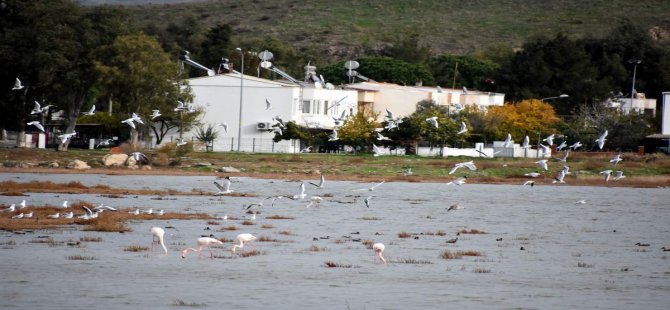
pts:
[202, 242]
[158, 239]
[242, 238]
[379, 250]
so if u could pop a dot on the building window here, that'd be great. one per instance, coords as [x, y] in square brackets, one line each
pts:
[325, 107]
[317, 107]
[306, 106]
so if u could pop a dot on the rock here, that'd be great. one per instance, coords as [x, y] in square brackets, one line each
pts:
[114, 159]
[146, 167]
[131, 162]
[78, 165]
[54, 165]
[202, 164]
[229, 170]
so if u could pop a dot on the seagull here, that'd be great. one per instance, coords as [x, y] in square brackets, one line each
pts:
[18, 216]
[377, 151]
[301, 195]
[533, 174]
[381, 137]
[36, 124]
[508, 141]
[407, 171]
[433, 121]
[64, 137]
[268, 104]
[371, 188]
[469, 164]
[391, 125]
[454, 240]
[465, 90]
[68, 215]
[340, 119]
[53, 216]
[180, 106]
[531, 183]
[181, 142]
[616, 159]
[607, 174]
[28, 215]
[549, 139]
[64, 205]
[333, 136]
[601, 140]
[565, 157]
[155, 113]
[314, 201]
[306, 150]
[37, 109]
[136, 118]
[22, 204]
[17, 84]
[379, 251]
[190, 108]
[559, 178]
[11, 208]
[454, 207]
[389, 115]
[225, 126]
[526, 143]
[545, 149]
[618, 175]
[90, 112]
[322, 182]
[135, 212]
[150, 211]
[129, 122]
[160, 212]
[223, 188]
[367, 200]
[274, 198]
[103, 207]
[580, 202]
[566, 169]
[260, 204]
[562, 145]
[458, 107]
[543, 164]
[458, 181]
[576, 145]
[463, 129]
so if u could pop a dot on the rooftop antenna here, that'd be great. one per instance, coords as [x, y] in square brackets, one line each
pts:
[265, 57]
[184, 57]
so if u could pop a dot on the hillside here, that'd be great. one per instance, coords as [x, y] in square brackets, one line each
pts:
[344, 29]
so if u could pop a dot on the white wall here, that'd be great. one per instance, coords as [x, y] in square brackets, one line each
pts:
[665, 125]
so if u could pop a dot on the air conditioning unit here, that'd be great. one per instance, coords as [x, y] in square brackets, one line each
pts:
[263, 125]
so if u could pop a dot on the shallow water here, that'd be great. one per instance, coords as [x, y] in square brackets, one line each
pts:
[556, 233]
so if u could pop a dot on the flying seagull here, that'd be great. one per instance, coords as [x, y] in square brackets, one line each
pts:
[64, 137]
[340, 119]
[301, 195]
[181, 142]
[130, 122]
[322, 182]
[469, 164]
[90, 112]
[377, 151]
[333, 136]
[559, 177]
[433, 121]
[180, 106]
[543, 164]
[17, 84]
[371, 188]
[155, 113]
[562, 145]
[36, 124]
[458, 181]
[549, 139]
[616, 159]
[576, 145]
[268, 104]
[223, 188]
[601, 140]
[508, 141]
[526, 143]
[532, 174]
[531, 183]
[618, 175]
[367, 200]
[381, 137]
[463, 129]
[225, 126]
[136, 118]
[606, 174]
[314, 201]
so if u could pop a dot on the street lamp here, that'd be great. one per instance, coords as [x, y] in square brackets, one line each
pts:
[635, 62]
[239, 123]
[560, 96]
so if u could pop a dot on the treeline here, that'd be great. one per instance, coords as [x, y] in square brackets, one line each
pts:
[74, 57]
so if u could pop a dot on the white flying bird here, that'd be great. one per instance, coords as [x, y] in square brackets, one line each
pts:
[469, 164]
[463, 129]
[180, 106]
[340, 119]
[301, 194]
[268, 104]
[601, 140]
[616, 159]
[532, 174]
[90, 112]
[64, 137]
[531, 183]
[559, 177]
[306, 150]
[606, 174]
[549, 139]
[136, 118]
[333, 136]
[389, 115]
[459, 181]
[130, 122]
[37, 109]
[381, 137]
[367, 200]
[225, 126]
[321, 184]
[155, 113]
[314, 201]
[433, 121]
[181, 142]
[576, 145]
[618, 175]
[377, 151]
[371, 188]
[17, 84]
[36, 124]
[562, 145]
[508, 141]
[543, 164]
[526, 142]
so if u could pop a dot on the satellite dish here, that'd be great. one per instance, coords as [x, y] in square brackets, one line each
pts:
[265, 55]
[330, 86]
[351, 64]
[318, 85]
[266, 64]
[352, 73]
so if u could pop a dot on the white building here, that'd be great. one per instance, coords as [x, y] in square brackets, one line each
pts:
[402, 100]
[303, 103]
[639, 104]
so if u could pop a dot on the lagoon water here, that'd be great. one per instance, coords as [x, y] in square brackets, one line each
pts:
[575, 255]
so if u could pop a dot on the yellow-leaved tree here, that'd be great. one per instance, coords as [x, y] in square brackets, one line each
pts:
[527, 117]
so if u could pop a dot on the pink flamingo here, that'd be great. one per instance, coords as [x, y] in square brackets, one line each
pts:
[379, 250]
[202, 242]
[242, 238]
[158, 239]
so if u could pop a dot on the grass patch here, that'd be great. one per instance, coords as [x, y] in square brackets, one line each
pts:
[412, 261]
[404, 234]
[446, 254]
[481, 270]
[251, 253]
[80, 257]
[181, 303]
[279, 217]
[584, 265]
[136, 248]
[472, 231]
[285, 233]
[267, 226]
[248, 222]
[90, 239]
[231, 227]
[370, 218]
[213, 223]
[331, 264]
[315, 248]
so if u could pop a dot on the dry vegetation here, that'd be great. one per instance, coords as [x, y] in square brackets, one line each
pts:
[279, 217]
[267, 226]
[315, 248]
[136, 248]
[446, 254]
[404, 234]
[15, 188]
[331, 264]
[370, 218]
[80, 257]
[231, 227]
[472, 231]
[251, 253]
[412, 261]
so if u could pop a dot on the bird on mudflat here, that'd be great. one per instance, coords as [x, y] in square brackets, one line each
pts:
[202, 243]
[378, 248]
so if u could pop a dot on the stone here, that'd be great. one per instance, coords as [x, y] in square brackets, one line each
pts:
[201, 164]
[229, 170]
[78, 165]
[54, 165]
[146, 167]
[131, 162]
[114, 159]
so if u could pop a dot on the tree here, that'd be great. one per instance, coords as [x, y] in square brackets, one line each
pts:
[471, 72]
[206, 135]
[358, 131]
[382, 69]
[216, 45]
[408, 49]
[142, 77]
[520, 119]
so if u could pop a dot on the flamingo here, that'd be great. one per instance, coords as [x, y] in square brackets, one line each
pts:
[242, 238]
[158, 238]
[202, 242]
[379, 250]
